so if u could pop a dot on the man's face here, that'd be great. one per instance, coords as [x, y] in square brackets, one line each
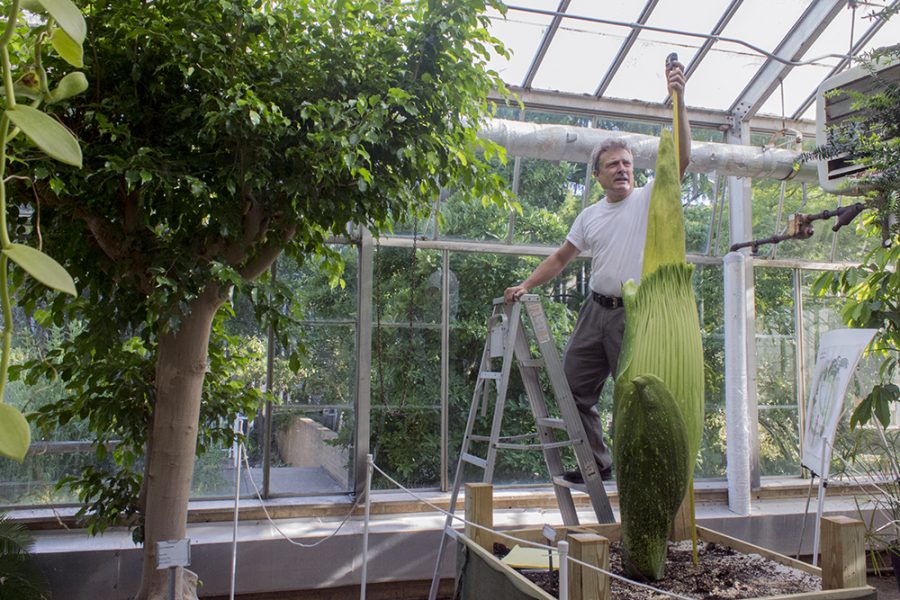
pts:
[616, 174]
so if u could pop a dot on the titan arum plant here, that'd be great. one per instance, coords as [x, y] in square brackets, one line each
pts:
[60, 23]
[659, 387]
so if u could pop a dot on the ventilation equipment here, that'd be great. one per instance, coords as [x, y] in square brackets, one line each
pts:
[838, 174]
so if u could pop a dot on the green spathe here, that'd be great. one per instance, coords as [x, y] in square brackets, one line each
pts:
[665, 221]
[662, 337]
[651, 445]
[661, 347]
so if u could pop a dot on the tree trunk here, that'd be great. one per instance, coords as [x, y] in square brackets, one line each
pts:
[181, 365]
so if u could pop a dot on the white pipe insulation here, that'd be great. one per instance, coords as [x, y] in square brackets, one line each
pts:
[737, 428]
[575, 144]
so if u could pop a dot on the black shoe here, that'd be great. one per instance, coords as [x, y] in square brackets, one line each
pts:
[576, 476]
[573, 476]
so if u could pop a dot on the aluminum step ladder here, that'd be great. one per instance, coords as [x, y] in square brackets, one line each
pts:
[509, 341]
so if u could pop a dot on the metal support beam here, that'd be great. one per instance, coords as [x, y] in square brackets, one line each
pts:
[740, 222]
[844, 63]
[363, 391]
[802, 35]
[635, 110]
[545, 44]
[575, 144]
[625, 48]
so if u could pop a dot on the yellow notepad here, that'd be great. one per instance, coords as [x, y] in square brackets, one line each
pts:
[529, 558]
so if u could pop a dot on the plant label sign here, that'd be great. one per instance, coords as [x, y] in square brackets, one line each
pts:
[173, 553]
[839, 353]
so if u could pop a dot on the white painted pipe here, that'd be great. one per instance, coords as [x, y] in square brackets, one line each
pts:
[737, 428]
[575, 144]
[563, 548]
[370, 465]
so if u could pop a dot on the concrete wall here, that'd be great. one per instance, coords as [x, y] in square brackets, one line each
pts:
[305, 443]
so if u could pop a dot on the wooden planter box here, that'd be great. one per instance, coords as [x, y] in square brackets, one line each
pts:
[482, 575]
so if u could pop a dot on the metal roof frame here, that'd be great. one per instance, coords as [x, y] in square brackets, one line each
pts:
[545, 44]
[634, 110]
[798, 40]
[625, 48]
[855, 50]
[789, 53]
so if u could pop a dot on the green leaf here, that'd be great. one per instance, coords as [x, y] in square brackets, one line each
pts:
[69, 49]
[15, 434]
[70, 85]
[41, 267]
[46, 133]
[68, 16]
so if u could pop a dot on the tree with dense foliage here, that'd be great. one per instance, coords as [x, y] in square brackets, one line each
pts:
[216, 136]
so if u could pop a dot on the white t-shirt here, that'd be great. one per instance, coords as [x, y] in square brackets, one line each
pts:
[614, 234]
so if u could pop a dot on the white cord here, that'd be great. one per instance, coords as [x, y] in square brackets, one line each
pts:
[445, 512]
[283, 534]
[526, 542]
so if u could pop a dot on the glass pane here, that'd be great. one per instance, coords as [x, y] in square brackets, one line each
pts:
[33, 481]
[595, 43]
[708, 287]
[779, 437]
[406, 373]
[313, 420]
[521, 33]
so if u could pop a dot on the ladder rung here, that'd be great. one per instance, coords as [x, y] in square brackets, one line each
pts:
[490, 375]
[502, 446]
[561, 481]
[533, 363]
[474, 460]
[547, 445]
[551, 422]
[510, 438]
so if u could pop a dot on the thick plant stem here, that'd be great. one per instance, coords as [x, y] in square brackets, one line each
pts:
[7, 324]
[4, 234]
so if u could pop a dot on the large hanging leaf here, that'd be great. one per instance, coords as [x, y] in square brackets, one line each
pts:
[41, 267]
[69, 49]
[15, 434]
[68, 17]
[47, 134]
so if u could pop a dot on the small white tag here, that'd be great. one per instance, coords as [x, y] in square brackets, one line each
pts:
[173, 553]
[550, 533]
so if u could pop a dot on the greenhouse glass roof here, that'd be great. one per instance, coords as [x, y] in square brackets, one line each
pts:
[743, 57]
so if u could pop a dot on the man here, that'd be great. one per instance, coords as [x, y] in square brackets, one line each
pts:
[614, 230]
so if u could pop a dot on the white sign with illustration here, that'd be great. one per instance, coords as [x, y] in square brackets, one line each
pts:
[839, 353]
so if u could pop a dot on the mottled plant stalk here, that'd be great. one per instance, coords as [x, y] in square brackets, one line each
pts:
[5, 304]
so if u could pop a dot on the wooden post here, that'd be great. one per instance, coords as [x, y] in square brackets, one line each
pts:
[681, 524]
[843, 553]
[480, 510]
[587, 583]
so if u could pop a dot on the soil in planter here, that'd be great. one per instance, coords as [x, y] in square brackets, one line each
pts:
[722, 573]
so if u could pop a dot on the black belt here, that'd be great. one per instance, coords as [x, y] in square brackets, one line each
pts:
[607, 301]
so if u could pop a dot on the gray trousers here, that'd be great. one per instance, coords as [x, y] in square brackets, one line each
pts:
[592, 355]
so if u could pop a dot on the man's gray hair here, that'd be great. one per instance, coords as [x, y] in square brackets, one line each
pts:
[606, 146]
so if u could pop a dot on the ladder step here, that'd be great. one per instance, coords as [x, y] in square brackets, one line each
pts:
[551, 422]
[505, 438]
[562, 482]
[549, 445]
[532, 363]
[474, 460]
[496, 375]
